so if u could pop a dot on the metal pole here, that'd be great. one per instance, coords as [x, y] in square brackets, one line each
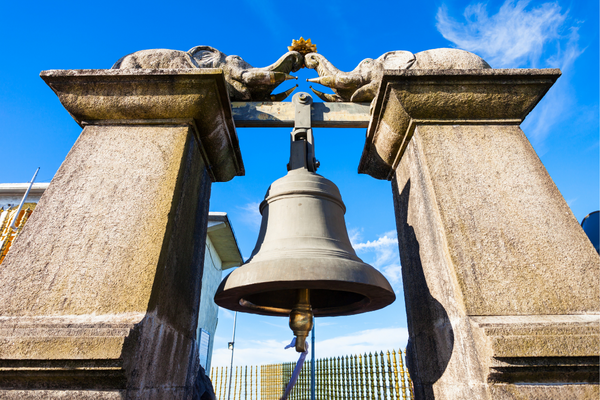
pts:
[14, 228]
[312, 363]
[231, 347]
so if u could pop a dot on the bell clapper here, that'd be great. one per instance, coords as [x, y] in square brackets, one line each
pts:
[301, 319]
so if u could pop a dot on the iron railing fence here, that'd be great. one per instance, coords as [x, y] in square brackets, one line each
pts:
[378, 376]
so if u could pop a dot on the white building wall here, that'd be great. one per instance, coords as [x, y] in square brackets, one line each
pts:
[11, 194]
[207, 316]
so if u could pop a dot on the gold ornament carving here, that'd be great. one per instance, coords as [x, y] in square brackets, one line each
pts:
[302, 46]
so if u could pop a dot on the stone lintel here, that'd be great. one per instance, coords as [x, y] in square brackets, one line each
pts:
[197, 98]
[408, 98]
[256, 114]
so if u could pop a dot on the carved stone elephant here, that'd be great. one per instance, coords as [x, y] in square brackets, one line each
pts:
[244, 82]
[361, 84]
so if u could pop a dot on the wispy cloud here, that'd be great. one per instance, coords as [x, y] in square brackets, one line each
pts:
[254, 352]
[251, 214]
[559, 104]
[513, 37]
[224, 313]
[372, 340]
[570, 202]
[355, 235]
[520, 36]
[382, 243]
[386, 258]
[260, 352]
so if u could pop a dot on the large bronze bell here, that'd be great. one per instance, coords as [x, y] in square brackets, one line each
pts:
[303, 262]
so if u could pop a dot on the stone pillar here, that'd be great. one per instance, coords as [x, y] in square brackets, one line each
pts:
[501, 283]
[100, 293]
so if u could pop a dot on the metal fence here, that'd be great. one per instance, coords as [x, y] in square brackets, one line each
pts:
[7, 235]
[378, 376]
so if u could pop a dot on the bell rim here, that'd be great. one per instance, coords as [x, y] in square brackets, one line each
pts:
[340, 276]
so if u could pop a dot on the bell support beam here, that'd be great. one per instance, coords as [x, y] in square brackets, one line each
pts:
[281, 115]
[501, 283]
[100, 295]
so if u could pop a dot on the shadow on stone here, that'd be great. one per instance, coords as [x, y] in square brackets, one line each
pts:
[431, 337]
[203, 388]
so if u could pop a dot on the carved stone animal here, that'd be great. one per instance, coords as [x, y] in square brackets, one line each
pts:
[244, 82]
[362, 84]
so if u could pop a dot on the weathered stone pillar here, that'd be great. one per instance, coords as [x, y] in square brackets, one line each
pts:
[501, 283]
[99, 295]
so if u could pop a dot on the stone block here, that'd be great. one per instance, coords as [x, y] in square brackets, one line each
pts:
[100, 293]
[501, 283]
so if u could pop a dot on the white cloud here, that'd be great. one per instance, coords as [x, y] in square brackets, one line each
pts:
[261, 352]
[383, 242]
[225, 313]
[387, 258]
[355, 235]
[518, 36]
[559, 103]
[254, 352]
[372, 340]
[513, 37]
[251, 214]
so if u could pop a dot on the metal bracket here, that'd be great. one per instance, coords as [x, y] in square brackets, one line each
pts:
[302, 151]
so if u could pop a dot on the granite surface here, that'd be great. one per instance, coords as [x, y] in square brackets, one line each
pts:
[100, 294]
[500, 282]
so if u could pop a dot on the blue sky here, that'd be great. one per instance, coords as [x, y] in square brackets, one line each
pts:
[36, 131]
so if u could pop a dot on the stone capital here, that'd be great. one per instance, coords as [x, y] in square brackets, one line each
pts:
[408, 98]
[194, 97]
